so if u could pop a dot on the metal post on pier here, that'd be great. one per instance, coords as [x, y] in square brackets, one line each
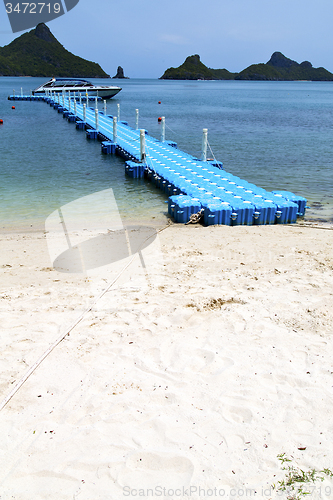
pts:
[136, 119]
[87, 97]
[96, 106]
[63, 98]
[163, 129]
[21, 92]
[204, 143]
[84, 113]
[142, 145]
[115, 130]
[75, 107]
[69, 101]
[80, 98]
[118, 111]
[96, 119]
[104, 107]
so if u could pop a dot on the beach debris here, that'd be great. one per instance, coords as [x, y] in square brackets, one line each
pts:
[213, 303]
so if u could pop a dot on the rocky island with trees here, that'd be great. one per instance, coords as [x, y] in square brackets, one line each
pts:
[279, 67]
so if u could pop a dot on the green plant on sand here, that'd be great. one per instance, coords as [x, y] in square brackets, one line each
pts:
[296, 482]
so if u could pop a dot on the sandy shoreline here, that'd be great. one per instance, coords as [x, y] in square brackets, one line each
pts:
[208, 357]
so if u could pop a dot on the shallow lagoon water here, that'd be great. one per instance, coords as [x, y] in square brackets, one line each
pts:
[274, 134]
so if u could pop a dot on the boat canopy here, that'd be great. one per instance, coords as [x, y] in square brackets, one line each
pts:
[66, 82]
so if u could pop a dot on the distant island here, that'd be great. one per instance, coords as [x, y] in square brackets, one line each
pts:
[278, 68]
[38, 53]
[120, 73]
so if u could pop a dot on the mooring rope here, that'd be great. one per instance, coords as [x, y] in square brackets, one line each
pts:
[33, 368]
[311, 226]
[148, 155]
[211, 151]
[167, 126]
[194, 218]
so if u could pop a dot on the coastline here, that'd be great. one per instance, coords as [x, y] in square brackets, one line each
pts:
[197, 368]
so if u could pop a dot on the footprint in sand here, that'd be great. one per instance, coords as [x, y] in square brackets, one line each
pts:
[184, 358]
[149, 470]
[217, 365]
[237, 414]
[234, 441]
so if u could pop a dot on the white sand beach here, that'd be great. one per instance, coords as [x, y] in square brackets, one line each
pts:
[188, 377]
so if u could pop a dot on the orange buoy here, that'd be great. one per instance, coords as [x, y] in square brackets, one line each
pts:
[1, 121]
[159, 119]
[159, 102]
[13, 107]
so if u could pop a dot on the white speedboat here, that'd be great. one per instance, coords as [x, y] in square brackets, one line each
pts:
[77, 85]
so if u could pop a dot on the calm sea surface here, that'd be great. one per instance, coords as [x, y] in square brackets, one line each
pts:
[277, 135]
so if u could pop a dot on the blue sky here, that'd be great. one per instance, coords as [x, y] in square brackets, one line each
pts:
[146, 37]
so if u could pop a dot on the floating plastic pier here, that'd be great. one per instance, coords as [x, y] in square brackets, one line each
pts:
[25, 98]
[42, 97]
[192, 185]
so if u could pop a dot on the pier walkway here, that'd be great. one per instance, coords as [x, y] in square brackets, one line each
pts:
[193, 185]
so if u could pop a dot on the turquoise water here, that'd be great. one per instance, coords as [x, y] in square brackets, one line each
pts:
[275, 134]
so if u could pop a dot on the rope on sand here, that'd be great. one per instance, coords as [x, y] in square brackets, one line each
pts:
[311, 226]
[76, 322]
